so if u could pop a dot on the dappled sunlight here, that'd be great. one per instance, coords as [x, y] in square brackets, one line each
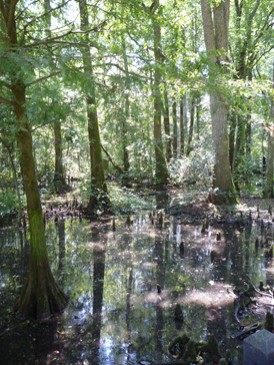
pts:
[215, 295]
[270, 270]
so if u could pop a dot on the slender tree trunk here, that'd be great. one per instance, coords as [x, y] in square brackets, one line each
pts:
[191, 125]
[167, 127]
[175, 129]
[99, 257]
[232, 133]
[161, 171]
[215, 24]
[239, 153]
[59, 180]
[127, 110]
[9, 149]
[98, 195]
[182, 126]
[198, 115]
[268, 191]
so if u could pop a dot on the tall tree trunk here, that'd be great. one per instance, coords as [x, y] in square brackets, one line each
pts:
[244, 52]
[9, 149]
[268, 191]
[232, 134]
[239, 153]
[167, 127]
[198, 115]
[99, 257]
[161, 171]
[41, 296]
[127, 110]
[182, 126]
[215, 24]
[191, 125]
[98, 195]
[175, 129]
[59, 180]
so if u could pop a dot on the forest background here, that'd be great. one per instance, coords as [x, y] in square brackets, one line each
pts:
[143, 93]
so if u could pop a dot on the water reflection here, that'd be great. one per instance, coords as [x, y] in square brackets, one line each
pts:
[99, 257]
[124, 287]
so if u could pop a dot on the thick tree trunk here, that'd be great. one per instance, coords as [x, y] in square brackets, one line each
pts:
[98, 196]
[41, 296]
[215, 24]
[222, 174]
[161, 171]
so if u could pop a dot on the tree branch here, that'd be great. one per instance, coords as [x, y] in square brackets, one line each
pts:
[54, 40]
[11, 17]
[118, 168]
[40, 79]
[3, 11]
[253, 12]
[6, 101]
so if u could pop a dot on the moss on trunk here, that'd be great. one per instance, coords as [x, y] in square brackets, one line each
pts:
[41, 296]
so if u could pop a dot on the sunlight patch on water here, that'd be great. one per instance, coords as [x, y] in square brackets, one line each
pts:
[217, 295]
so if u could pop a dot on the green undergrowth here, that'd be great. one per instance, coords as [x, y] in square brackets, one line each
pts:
[124, 201]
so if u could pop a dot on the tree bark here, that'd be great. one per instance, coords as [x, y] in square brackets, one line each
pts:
[161, 171]
[191, 124]
[215, 24]
[9, 149]
[182, 127]
[268, 191]
[59, 180]
[175, 129]
[127, 111]
[41, 295]
[98, 196]
[167, 127]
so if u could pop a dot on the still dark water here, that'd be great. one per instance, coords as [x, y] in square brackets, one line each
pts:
[116, 315]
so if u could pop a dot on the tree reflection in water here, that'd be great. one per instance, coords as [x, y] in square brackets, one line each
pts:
[116, 315]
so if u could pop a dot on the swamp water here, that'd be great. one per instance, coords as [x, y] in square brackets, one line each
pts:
[117, 315]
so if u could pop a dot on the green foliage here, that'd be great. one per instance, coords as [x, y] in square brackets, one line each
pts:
[125, 201]
[8, 203]
[196, 168]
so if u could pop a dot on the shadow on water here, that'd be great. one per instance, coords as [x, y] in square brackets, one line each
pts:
[124, 287]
